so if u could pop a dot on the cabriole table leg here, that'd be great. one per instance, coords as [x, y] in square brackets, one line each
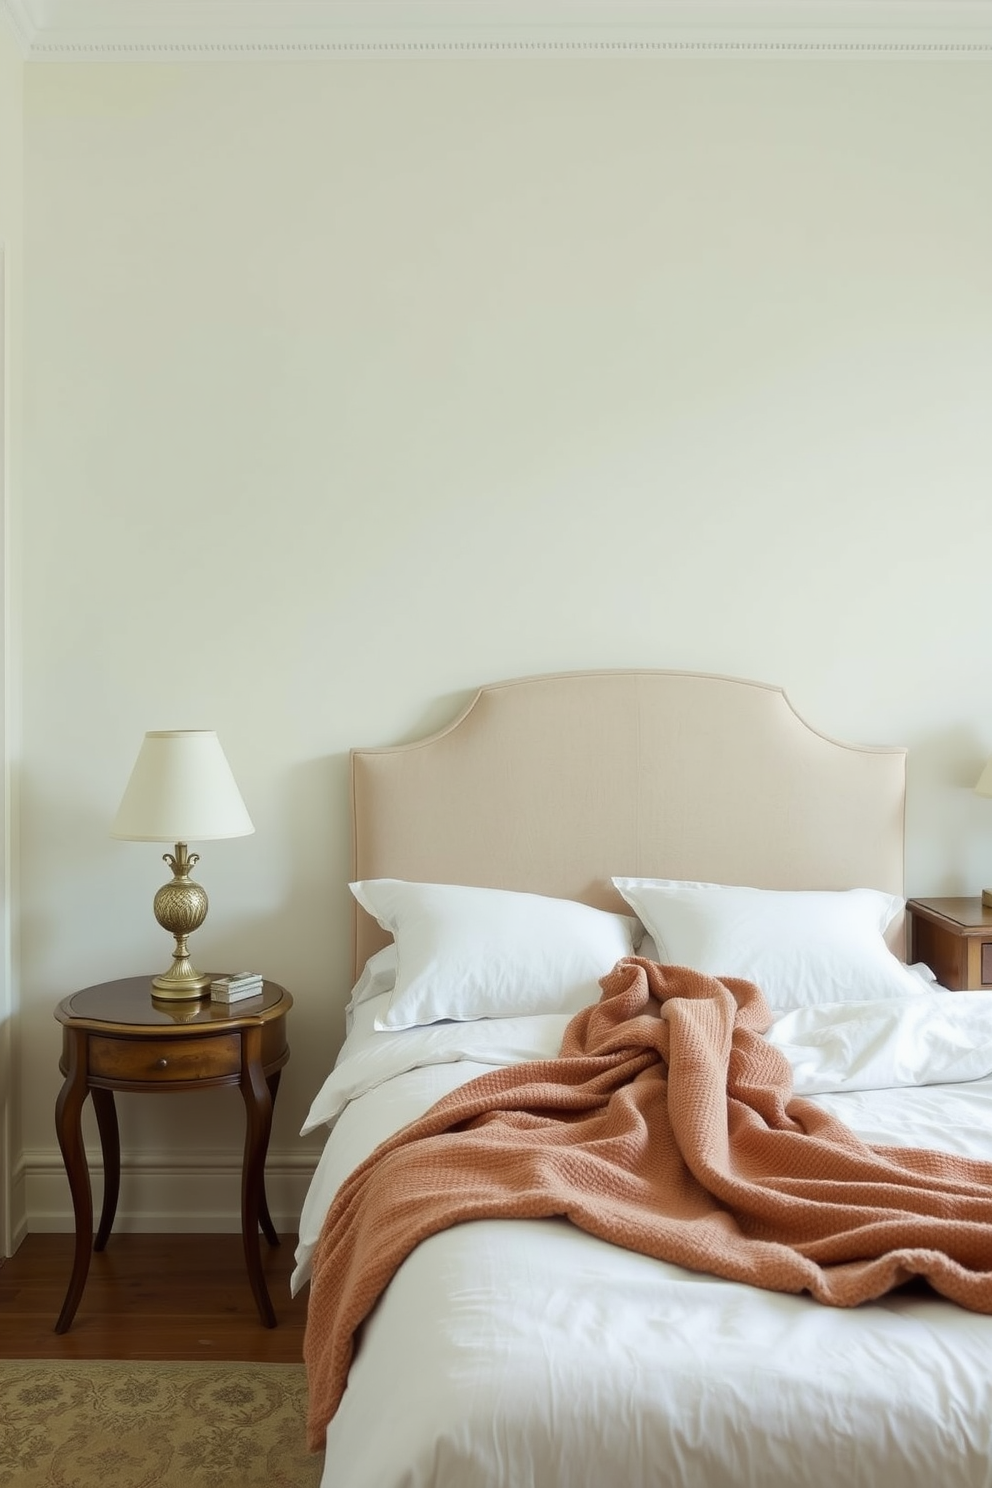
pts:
[264, 1218]
[110, 1142]
[69, 1128]
[258, 1125]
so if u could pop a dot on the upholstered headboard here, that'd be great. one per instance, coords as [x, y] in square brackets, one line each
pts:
[554, 784]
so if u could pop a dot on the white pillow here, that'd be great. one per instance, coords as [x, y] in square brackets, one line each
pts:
[466, 953]
[800, 946]
[378, 976]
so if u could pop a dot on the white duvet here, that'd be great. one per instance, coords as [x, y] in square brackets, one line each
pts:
[527, 1354]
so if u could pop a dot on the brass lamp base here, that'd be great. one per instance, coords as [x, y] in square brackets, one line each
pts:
[169, 986]
[181, 907]
[987, 898]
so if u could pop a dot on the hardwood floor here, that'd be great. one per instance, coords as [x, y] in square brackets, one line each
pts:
[150, 1297]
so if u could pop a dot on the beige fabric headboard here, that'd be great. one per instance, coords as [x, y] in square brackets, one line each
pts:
[554, 784]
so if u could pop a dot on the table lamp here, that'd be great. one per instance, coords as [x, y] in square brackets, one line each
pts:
[984, 788]
[181, 790]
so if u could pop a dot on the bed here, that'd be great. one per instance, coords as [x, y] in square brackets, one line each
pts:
[569, 828]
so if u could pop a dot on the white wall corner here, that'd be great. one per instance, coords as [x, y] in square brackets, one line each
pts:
[17, 1214]
[11, 1212]
[18, 17]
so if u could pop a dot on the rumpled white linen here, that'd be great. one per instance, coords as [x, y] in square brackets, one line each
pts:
[527, 1354]
[938, 1038]
[941, 1038]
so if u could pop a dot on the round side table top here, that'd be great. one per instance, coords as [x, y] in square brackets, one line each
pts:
[130, 1003]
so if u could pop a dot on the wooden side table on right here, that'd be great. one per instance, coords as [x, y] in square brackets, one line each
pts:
[954, 938]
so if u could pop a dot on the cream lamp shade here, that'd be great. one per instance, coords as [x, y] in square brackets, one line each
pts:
[181, 790]
[984, 788]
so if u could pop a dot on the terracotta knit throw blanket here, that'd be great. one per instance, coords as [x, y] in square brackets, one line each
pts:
[667, 1125]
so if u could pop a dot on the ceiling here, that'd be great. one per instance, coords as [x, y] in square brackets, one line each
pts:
[100, 30]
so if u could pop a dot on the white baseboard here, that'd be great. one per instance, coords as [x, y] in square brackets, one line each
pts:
[200, 1194]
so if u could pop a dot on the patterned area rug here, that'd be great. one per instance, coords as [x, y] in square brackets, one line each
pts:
[100, 1424]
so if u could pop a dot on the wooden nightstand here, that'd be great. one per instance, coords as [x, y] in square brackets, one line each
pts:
[115, 1037]
[954, 938]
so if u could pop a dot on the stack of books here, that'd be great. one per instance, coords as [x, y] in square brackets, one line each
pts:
[236, 986]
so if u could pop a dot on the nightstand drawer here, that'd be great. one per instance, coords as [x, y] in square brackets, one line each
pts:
[159, 1061]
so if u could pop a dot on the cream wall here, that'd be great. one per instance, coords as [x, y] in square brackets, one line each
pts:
[350, 386]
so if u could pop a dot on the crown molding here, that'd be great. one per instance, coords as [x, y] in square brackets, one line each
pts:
[128, 30]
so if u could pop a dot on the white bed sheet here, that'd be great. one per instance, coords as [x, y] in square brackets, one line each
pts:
[510, 1353]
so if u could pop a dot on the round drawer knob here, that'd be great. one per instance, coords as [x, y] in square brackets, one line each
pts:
[161, 1064]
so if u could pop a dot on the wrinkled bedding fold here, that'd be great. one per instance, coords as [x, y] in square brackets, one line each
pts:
[667, 1125]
